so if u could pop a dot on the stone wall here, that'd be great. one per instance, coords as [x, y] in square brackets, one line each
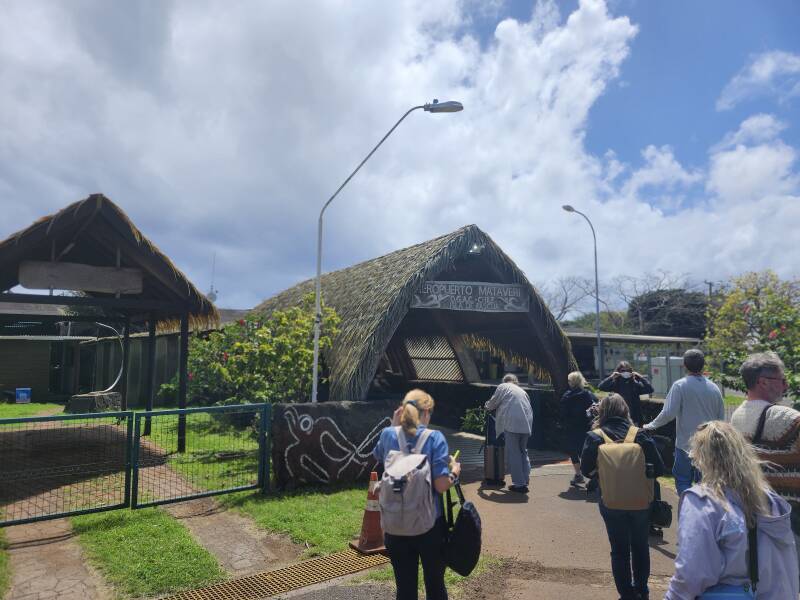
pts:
[328, 442]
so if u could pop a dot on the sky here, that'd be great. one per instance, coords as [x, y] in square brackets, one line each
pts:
[221, 129]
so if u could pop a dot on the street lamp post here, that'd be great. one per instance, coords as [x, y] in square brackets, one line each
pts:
[433, 107]
[601, 356]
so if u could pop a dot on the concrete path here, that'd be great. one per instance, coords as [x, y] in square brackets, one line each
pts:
[47, 563]
[554, 540]
[234, 540]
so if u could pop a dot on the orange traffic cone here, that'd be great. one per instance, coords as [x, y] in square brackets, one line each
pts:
[371, 539]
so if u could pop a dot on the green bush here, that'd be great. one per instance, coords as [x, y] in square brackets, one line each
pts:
[474, 420]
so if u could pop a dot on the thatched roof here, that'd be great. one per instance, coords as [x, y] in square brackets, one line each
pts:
[373, 297]
[91, 232]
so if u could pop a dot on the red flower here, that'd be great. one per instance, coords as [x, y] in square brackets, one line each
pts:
[191, 376]
[241, 322]
[225, 356]
[773, 334]
[783, 328]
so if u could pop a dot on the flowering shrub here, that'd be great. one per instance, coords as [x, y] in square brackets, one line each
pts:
[759, 312]
[258, 359]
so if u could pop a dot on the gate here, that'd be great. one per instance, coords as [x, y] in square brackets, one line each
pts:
[195, 452]
[66, 465]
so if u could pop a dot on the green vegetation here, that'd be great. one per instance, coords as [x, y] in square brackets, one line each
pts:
[731, 400]
[452, 580]
[220, 452]
[145, 552]
[758, 312]
[5, 566]
[11, 411]
[324, 519]
[257, 359]
[474, 420]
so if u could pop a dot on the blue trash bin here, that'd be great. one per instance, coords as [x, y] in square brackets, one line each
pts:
[23, 395]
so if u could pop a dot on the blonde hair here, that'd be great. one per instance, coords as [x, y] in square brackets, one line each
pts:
[612, 406]
[728, 462]
[414, 403]
[576, 380]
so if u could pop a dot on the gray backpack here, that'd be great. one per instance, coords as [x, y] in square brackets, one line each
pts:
[405, 493]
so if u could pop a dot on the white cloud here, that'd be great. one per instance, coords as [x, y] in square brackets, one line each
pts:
[235, 122]
[776, 73]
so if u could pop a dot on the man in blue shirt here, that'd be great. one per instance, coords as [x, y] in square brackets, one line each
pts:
[693, 400]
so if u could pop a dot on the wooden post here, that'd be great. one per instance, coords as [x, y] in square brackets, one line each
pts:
[76, 384]
[126, 346]
[150, 383]
[183, 380]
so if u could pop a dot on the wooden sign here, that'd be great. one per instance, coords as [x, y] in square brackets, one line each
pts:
[472, 295]
[40, 275]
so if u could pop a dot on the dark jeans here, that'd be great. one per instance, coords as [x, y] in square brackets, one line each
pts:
[627, 533]
[405, 553]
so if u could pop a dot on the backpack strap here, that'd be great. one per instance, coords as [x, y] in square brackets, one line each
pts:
[630, 437]
[752, 555]
[401, 439]
[603, 436]
[423, 437]
[760, 427]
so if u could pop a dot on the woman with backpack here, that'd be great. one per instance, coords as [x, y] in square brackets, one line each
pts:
[627, 462]
[410, 426]
[576, 415]
[734, 531]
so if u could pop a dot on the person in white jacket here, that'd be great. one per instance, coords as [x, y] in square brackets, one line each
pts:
[716, 517]
[514, 417]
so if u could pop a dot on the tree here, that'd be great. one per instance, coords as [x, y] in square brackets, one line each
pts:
[676, 312]
[565, 295]
[758, 312]
[258, 359]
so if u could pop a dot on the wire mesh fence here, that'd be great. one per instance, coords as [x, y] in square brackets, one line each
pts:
[190, 453]
[63, 465]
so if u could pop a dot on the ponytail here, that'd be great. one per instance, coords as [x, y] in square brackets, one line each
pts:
[414, 403]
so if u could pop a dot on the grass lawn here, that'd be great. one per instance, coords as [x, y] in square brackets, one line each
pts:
[10, 411]
[731, 400]
[324, 519]
[5, 567]
[451, 579]
[145, 552]
[218, 456]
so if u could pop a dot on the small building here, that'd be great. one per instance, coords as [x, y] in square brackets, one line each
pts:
[115, 276]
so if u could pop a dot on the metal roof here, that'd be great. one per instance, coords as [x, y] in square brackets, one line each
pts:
[631, 338]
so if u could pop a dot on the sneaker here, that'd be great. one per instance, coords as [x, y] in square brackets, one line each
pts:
[577, 480]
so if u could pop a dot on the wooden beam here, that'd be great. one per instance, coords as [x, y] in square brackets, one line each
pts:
[183, 366]
[463, 354]
[150, 384]
[126, 351]
[119, 303]
[41, 275]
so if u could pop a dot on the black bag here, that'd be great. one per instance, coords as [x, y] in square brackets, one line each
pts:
[661, 513]
[462, 545]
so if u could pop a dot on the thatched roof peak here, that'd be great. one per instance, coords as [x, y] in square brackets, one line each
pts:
[373, 296]
[93, 231]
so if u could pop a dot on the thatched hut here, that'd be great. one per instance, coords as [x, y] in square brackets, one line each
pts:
[121, 277]
[425, 314]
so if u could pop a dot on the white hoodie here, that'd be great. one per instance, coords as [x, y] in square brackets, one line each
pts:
[712, 548]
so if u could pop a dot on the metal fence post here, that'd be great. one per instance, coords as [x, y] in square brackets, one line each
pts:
[128, 456]
[264, 448]
[135, 466]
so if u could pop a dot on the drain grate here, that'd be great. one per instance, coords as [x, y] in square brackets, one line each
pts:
[280, 581]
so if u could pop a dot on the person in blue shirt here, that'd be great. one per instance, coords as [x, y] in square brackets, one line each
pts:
[405, 552]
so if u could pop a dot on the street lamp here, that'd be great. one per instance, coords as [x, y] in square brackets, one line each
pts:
[433, 107]
[601, 357]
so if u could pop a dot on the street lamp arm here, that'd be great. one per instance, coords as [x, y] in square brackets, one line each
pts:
[361, 164]
[590, 226]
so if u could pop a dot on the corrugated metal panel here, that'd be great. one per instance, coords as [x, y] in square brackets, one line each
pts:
[26, 364]
[433, 358]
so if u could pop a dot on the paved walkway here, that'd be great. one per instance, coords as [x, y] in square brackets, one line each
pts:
[47, 563]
